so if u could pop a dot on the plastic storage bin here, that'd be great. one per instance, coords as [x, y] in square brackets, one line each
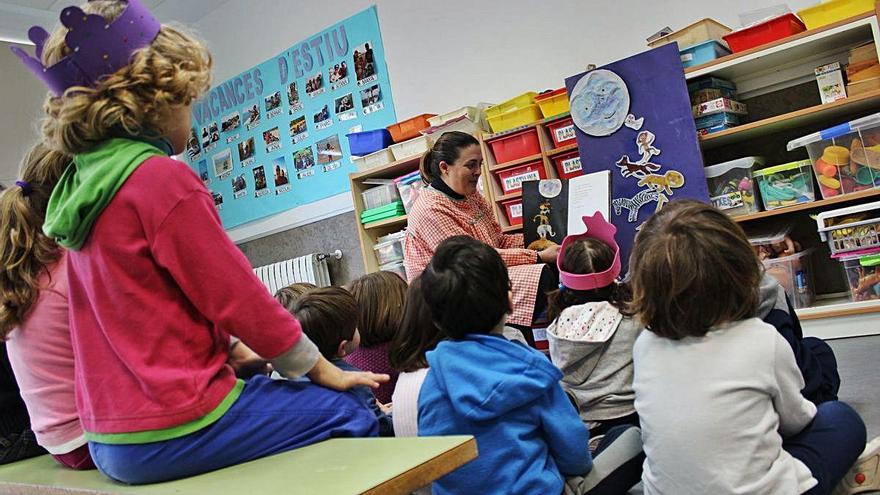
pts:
[698, 32]
[731, 187]
[794, 274]
[515, 146]
[829, 12]
[852, 230]
[846, 157]
[511, 179]
[409, 128]
[390, 250]
[413, 147]
[553, 103]
[764, 32]
[379, 196]
[409, 187]
[703, 53]
[373, 160]
[471, 113]
[773, 241]
[513, 209]
[516, 103]
[366, 142]
[785, 185]
[516, 118]
[568, 165]
[396, 267]
[562, 132]
[863, 277]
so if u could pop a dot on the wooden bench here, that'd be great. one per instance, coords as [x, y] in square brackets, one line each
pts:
[338, 466]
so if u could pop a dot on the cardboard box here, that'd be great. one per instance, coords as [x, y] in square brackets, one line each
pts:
[830, 81]
[719, 105]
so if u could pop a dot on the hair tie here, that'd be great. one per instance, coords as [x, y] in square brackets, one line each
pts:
[25, 187]
[561, 287]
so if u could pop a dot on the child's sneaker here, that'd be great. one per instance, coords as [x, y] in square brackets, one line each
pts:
[864, 476]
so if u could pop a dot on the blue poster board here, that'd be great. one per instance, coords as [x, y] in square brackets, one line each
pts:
[274, 137]
[634, 118]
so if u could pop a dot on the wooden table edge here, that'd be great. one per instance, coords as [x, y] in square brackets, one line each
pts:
[433, 469]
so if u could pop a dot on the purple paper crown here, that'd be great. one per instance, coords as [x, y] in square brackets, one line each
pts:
[97, 48]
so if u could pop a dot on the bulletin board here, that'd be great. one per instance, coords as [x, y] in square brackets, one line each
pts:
[634, 118]
[274, 137]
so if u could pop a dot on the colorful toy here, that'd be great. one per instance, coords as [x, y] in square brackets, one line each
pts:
[863, 275]
[730, 185]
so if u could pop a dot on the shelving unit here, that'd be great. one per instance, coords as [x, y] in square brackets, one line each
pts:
[490, 166]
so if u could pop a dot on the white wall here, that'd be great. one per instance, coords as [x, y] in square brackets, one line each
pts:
[20, 105]
[444, 54]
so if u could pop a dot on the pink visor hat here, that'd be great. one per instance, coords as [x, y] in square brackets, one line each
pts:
[97, 48]
[597, 228]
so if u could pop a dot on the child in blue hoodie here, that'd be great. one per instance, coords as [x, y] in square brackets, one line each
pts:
[530, 438]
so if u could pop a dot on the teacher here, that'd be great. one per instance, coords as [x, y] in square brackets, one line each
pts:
[451, 206]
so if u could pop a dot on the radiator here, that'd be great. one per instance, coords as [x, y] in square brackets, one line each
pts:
[310, 268]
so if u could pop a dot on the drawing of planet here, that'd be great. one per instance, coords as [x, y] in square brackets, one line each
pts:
[600, 103]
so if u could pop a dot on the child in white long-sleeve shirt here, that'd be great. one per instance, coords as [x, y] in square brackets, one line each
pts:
[717, 390]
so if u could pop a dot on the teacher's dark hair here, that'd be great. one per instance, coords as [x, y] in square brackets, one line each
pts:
[447, 149]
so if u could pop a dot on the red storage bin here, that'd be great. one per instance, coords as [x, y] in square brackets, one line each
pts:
[511, 179]
[568, 165]
[765, 32]
[513, 209]
[409, 128]
[562, 132]
[515, 146]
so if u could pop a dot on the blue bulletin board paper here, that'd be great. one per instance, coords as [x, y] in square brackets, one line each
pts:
[633, 117]
[274, 137]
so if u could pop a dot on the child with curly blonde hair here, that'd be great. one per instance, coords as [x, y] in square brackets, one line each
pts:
[151, 270]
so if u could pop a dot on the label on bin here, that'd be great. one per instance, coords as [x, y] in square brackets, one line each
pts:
[687, 57]
[565, 133]
[800, 280]
[571, 165]
[728, 201]
[514, 182]
[516, 211]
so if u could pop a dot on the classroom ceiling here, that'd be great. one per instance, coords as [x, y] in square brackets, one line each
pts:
[16, 16]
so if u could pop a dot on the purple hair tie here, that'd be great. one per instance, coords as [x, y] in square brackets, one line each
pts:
[25, 187]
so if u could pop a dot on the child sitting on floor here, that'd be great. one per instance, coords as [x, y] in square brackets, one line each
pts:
[591, 336]
[380, 298]
[504, 393]
[328, 316]
[718, 391]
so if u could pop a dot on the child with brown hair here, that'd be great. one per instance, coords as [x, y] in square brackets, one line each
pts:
[592, 335]
[717, 390]
[328, 315]
[380, 298]
[142, 232]
[287, 296]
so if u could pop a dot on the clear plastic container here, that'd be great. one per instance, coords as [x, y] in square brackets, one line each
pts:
[390, 250]
[846, 157]
[794, 274]
[409, 191]
[731, 187]
[471, 113]
[460, 124]
[785, 185]
[396, 267]
[863, 277]
[414, 147]
[379, 196]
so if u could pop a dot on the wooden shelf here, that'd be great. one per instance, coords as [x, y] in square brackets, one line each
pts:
[511, 228]
[386, 222]
[392, 170]
[809, 206]
[806, 116]
[839, 36]
[564, 149]
[512, 195]
[832, 308]
[502, 166]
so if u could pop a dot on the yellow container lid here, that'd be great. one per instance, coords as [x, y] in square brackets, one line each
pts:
[784, 167]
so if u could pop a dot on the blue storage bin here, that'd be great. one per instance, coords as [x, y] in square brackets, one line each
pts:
[364, 143]
[702, 53]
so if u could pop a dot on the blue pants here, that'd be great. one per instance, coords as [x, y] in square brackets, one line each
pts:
[270, 416]
[829, 445]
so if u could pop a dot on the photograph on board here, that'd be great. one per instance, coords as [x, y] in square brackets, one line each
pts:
[364, 63]
[222, 162]
[329, 150]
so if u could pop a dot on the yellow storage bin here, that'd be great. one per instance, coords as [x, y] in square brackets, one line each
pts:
[835, 10]
[520, 117]
[512, 104]
[553, 103]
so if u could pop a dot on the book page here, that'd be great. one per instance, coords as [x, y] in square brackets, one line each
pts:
[587, 194]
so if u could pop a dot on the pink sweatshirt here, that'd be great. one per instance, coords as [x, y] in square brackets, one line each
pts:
[150, 290]
[42, 360]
